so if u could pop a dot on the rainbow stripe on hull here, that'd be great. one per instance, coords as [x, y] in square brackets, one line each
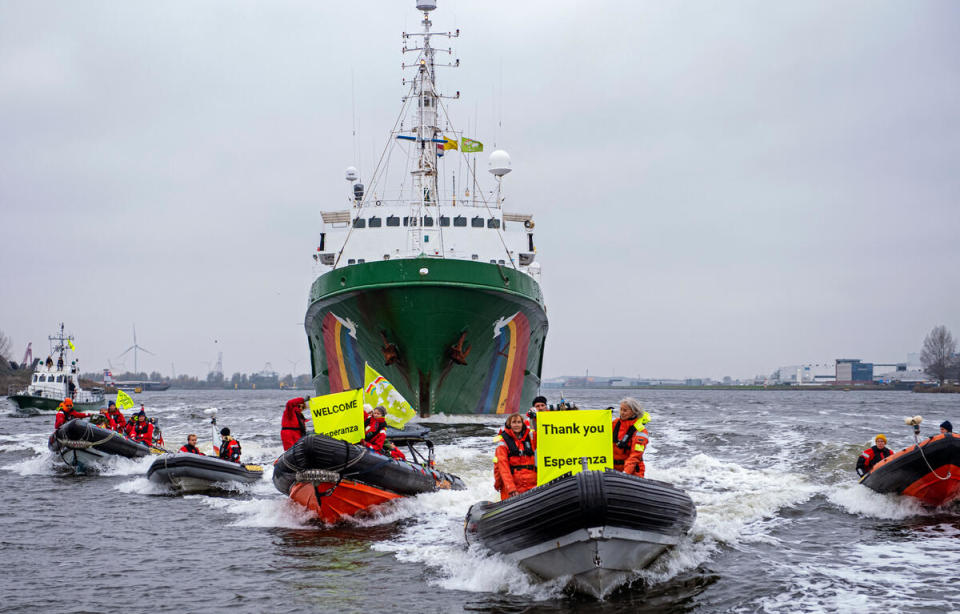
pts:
[465, 338]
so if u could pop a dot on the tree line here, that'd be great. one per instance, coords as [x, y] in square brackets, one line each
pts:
[939, 355]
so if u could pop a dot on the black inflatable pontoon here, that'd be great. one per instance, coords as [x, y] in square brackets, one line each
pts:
[81, 444]
[598, 527]
[319, 453]
[195, 473]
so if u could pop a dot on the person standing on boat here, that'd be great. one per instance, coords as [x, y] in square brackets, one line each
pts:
[515, 470]
[66, 413]
[191, 445]
[115, 418]
[630, 438]
[873, 455]
[293, 425]
[539, 404]
[946, 427]
[375, 429]
[229, 447]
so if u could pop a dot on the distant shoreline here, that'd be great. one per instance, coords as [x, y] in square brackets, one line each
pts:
[779, 388]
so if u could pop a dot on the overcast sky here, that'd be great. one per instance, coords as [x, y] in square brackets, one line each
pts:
[720, 188]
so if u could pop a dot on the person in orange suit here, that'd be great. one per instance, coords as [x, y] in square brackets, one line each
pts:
[515, 470]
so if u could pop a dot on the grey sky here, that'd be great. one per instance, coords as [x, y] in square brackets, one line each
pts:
[719, 188]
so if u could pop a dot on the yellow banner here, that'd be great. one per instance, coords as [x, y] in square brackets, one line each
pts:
[339, 415]
[564, 437]
[124, 401]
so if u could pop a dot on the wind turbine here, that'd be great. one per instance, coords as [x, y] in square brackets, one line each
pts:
[136, 348]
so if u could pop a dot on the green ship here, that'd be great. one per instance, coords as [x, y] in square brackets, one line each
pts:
[437, 290]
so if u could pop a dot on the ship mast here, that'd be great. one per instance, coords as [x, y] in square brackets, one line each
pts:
[426, 130]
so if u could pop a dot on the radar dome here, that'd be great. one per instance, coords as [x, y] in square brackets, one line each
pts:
[426, 5]
[499, 163]
[351, 174]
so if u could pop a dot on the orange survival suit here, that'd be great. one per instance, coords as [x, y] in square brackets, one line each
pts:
[293, 425]
[516, 468]
[629, 442]
[66, 413]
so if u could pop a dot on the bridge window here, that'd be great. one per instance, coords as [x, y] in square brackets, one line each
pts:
[459, 221]
[352, 261]
[476, 222]
[59, 379]
[427, 221]
[393, 221]
[444, 220]
[361, 260]
[43, 378]
[475, 257]
[376, 222]
[359, 223]
[493, 223]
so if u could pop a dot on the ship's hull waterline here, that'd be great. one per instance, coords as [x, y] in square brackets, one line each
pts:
[453, 336]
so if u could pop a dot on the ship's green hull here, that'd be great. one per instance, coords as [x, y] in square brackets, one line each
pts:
[452, 336]
[29, 404]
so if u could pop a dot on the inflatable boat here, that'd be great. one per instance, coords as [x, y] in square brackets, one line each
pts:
[195, 473]
[928, 471]
[335, 479]
[82, 445]
[597, 527]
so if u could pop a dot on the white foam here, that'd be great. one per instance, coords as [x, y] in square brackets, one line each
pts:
[142, 486]
[860, 500]
[275, 512]
[41, 464]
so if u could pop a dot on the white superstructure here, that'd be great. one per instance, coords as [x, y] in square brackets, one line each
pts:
[425, 198]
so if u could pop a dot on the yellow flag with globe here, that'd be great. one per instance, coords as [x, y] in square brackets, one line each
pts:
[378, 391]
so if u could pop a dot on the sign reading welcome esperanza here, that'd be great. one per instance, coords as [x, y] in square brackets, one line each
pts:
[339, 415]
[564, 437]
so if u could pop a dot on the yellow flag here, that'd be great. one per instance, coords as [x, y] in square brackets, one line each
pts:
[71, 346]
[123, 400]
[339, 415]
[378, 391]
[565, 437]
[450, 144]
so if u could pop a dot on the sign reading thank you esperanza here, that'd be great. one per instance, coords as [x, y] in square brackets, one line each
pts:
[564, 437]
[339, 415]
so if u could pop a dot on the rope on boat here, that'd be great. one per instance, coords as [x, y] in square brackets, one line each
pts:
[919, 447]
[80, 444]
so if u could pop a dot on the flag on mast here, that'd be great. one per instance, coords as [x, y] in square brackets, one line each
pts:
[470, 146]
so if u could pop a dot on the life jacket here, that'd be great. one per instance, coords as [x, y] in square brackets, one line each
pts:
[230, 450]
[513, 447]
[191, 449]
[621, 440]
[293, 425]
[117, 421]
[66, 414]
[517, 454]
[143, 432]
[870, 457]
[375, 432]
